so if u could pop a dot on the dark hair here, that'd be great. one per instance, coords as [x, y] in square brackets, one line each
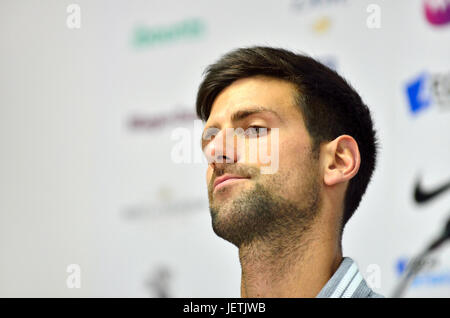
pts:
[330, 106]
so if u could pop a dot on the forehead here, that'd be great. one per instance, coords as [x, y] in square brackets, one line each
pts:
[270, 93]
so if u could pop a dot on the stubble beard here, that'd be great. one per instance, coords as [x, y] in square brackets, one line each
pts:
[262, 214]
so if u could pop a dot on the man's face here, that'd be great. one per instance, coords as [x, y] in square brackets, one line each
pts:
[260, 205]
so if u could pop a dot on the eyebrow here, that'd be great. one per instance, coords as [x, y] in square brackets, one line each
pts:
[242, 114]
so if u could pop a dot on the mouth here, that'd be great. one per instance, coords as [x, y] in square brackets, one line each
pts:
[227, 180]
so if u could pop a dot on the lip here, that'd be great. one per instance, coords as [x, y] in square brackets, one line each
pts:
[226, 177]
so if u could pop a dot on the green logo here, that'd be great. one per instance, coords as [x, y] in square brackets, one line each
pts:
[187, 29]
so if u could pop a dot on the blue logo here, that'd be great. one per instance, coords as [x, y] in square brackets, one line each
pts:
[312, 4]
[427, 277]
[417, 93]
[428, 89]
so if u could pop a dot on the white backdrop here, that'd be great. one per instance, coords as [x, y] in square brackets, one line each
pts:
[86, 117]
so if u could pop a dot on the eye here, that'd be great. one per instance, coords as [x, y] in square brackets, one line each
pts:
[256, 131]
[210, 132]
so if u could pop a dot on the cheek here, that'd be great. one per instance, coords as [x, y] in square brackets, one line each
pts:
[288, 152]
[293, 155]
[209, 173]
[261, 151]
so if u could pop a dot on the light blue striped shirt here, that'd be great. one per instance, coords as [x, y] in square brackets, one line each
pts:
[347, 282]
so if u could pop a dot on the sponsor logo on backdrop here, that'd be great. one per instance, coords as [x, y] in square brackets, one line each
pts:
[161, 120]
[301, 5]
[321, 25]
[429, 276]
[437, 12]
[422, 195]
[150, 36]
[428, 89]
[165, 205]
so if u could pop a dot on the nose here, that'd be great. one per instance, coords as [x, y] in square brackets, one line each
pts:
[224, 147]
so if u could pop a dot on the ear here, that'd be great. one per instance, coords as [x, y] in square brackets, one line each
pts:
[341, 160]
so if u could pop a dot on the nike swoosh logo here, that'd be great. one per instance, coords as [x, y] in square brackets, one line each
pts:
[422, 196]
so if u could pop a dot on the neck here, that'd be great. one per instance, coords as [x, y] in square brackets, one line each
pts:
[292, 265]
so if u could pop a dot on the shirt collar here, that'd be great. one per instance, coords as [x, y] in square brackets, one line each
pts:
[346, 282]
